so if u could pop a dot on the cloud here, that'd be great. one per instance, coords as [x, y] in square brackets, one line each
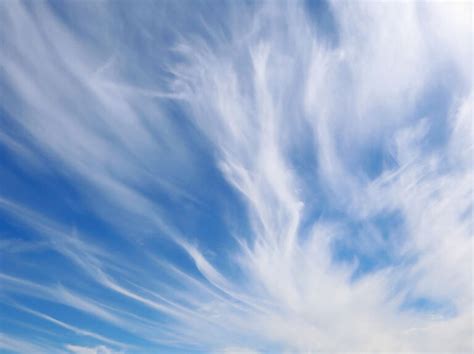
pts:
[352, 164]
[20, 345]
[89, 350]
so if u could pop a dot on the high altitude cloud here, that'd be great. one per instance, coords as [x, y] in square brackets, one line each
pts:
[230, 177]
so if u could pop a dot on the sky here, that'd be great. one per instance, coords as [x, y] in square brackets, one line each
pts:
[236, 177]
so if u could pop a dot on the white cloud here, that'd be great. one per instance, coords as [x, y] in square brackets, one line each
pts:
[23, 345]
[257, 95]
[366, 88]
[76, 349]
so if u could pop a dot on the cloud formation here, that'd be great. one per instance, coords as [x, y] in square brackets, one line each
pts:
[265, 177]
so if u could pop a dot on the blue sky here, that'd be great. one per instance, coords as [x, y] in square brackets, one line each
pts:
[236, 177]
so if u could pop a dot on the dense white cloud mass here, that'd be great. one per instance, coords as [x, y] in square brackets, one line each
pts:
[86, 350]
[344, 129]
